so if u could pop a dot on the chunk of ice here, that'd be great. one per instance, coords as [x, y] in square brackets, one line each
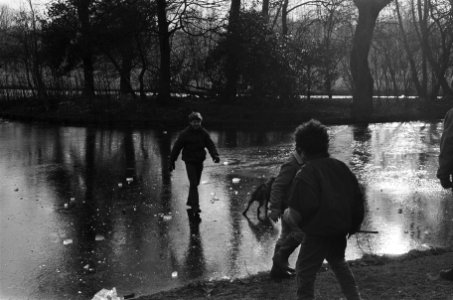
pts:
[67, 242]
[99, 237]
[105, 294]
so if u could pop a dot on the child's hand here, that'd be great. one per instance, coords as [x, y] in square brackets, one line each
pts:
[446, 182]
[274, 215]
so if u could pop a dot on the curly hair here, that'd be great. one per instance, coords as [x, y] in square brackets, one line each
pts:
[195, 116]
[312, 137]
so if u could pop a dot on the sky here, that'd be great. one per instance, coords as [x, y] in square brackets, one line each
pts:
[16, 4]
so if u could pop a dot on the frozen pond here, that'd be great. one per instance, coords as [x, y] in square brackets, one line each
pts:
[83, 209]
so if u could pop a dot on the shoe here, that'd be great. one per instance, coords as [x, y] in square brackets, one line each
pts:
[446, 274]
[278, 273]
[195, 209]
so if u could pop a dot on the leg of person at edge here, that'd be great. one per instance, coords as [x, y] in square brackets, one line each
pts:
[327, 204]
[445, 170]
[192, 141]
[288, 240]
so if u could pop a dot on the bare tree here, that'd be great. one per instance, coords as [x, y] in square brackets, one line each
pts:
[173, 16]
[437, 39]
[86, 43]
[36, 57]
[231, 71]
[427, 39]
[165, 49]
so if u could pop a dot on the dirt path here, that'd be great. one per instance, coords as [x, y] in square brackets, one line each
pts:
[412, 276]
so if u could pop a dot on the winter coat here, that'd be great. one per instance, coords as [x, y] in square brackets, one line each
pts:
[328, 197]
[193, 143]
[282, 184]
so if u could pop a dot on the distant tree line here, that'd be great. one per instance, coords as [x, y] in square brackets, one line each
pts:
[273, 50]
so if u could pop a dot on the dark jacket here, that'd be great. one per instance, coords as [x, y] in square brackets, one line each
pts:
[282, 184]
[328, 197]
[193, 143]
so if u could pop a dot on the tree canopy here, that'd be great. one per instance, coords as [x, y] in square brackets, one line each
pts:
[276, 50]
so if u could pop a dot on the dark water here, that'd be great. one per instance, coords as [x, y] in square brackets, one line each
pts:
[68, 228]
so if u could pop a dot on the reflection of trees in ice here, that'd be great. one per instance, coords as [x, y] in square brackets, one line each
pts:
[397, 164]
[147, 231]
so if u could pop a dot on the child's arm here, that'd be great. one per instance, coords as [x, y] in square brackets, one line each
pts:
[179, 144]
[358, 210]
[211, 148]
[280, 189]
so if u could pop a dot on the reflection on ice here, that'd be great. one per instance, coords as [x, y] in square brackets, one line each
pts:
[111, 205]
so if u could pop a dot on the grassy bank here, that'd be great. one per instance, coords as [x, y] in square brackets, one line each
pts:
[410, 276]
[245, 114]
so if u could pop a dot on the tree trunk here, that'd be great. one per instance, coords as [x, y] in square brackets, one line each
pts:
[308, 82]
[328, 86]
[86, 46]
[231, 67]
[435, 88]
[265, 11]
[88, 86]
[125, 75]
[141, 81]
[144, 61]
[36, 61]
[285, 18]
[164, 46]
[360, 70]
[392, 72]
[28, 71]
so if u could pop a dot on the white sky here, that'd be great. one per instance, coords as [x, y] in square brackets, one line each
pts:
[16, 4]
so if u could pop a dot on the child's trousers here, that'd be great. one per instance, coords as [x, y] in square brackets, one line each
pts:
[288, 241]
[194, 171]
[313, 251]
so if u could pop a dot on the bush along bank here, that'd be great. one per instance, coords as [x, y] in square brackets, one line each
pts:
[147, 113]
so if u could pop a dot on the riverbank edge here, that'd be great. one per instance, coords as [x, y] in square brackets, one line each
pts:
[413, 275]
[139, 114]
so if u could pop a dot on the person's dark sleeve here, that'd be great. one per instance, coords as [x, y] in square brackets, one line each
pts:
[179, 144]
[358, 207]
[295, 197]
[304, 196]
[211, 146]
[281, 186]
